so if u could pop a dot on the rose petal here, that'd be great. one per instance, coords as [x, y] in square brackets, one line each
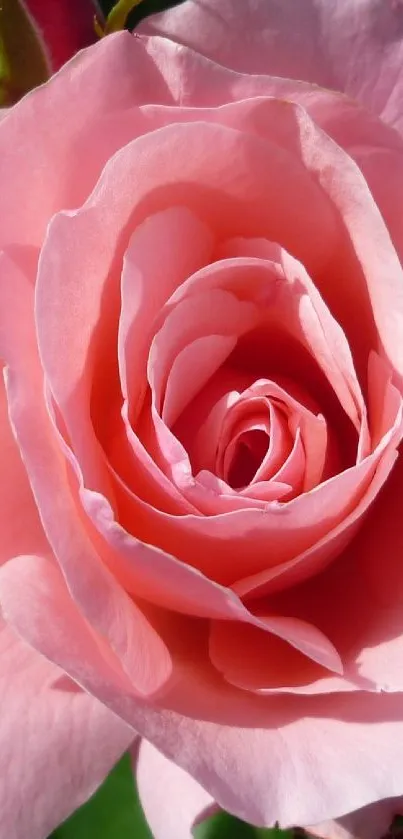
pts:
[149, 277]
[370, 822]
[222, 498]
[230, 642]
[293, 470]
[311, 427]
[370, 647]
[78, 128]
[384, 400]
[265, 663]
[176, 802]
[191, 370]
[316, 559]
[212, 313]
[336, 734]
[331, 732]
[34, 597]
[132, 462]
[95, 135]
[228, 547]
[20, 526]
[365, 47]
[290, 121]
[376, 147]
[260, 37]
[102, 600]
[334, 44]
[92, 276]
[57, 743]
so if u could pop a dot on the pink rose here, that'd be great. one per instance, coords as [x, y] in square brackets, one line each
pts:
[201, 319]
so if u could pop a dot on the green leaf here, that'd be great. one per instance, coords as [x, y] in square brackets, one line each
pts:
[114, 812]
[275, 833]
[117, 17]
[4, 74]
[224, 826]
[139, 11]
[396, 829]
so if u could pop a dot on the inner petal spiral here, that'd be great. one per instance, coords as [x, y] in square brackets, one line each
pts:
[245, 454]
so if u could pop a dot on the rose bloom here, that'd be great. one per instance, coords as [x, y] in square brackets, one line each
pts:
[201, 517]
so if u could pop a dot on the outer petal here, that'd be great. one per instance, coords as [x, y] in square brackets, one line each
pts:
[54, 126]
[151, 70]
[20, 527]
[276, 37]
[105, 604]
[368, 823]
[364, 45]
[176, 802]
[338, 734]
[335, 733]
[172, 800]
[355, 47]
[366, 582]
[57, 743]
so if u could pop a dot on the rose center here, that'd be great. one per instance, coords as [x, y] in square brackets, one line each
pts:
[245, 457]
